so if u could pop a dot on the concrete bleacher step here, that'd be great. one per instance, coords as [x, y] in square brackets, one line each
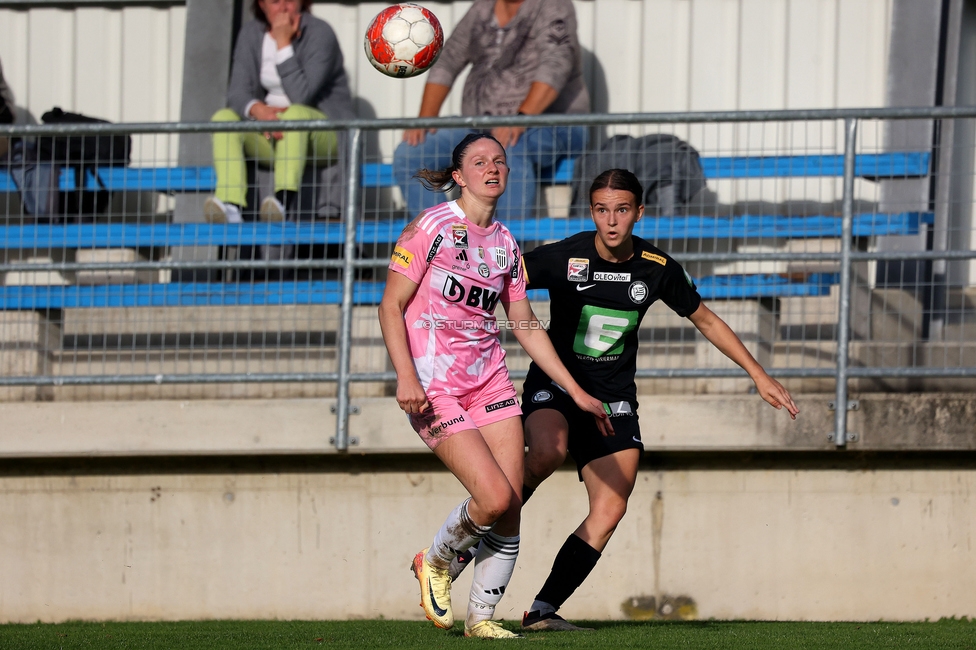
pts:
[876, 314]
[33, 278]
[790, 268]
[28, 345]
[113, 276]
[301, 338]
[186, 340]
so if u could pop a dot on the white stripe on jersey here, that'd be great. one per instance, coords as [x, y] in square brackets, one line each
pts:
[434, 219]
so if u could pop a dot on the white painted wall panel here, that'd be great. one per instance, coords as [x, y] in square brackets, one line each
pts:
[50, 59]
[666, 37]
[123, 65]
[762, 41]
[714, 55]
[14, 40]
[616, 25]
[639, 55]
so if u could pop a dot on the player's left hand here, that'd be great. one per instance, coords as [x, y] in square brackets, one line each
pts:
[594, 407]
[508, 136]
[773, 392]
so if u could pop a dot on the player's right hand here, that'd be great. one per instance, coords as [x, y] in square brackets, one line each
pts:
[776, 395]
[594, 406]
[413, 137]
[411, 397]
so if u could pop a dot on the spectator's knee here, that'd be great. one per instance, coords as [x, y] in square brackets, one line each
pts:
[225, 115]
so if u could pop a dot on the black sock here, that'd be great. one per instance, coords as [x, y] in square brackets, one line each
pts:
[573, 563]
[526, 493]
[286, 198]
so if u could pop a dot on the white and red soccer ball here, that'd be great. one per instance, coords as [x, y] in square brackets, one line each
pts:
[404, 40]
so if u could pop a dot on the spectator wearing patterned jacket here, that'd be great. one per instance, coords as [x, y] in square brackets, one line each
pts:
[525, 59]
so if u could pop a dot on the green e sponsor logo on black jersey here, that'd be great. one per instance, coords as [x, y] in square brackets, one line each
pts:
[602, 331]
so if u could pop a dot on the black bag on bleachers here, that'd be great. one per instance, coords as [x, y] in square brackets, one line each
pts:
[668, 168]
[6, 112]
[82, 154]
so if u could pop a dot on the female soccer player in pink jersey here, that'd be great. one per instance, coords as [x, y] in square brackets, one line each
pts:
[451, 267]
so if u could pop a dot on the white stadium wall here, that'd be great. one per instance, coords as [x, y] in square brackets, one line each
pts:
[125, 64]
[770, 544]
[120, 64]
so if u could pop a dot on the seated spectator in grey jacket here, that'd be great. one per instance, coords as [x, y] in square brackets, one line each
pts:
[287, 66]
[525, 59]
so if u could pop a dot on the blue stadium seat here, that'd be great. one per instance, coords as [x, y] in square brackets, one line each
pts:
[201, 179]
[164, 235]
[329, 292]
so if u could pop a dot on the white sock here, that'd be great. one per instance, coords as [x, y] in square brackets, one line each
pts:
[233, 213]
[493, 570]
[458, 533]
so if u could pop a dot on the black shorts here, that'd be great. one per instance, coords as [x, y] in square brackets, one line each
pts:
[586, 443]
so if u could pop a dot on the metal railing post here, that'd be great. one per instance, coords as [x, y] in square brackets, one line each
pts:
[844, 308]
[353, 202]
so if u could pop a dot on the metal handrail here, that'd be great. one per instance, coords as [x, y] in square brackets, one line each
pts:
[490, 121]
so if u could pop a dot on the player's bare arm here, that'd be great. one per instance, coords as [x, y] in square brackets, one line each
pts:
[722, 337]
[410, 393]
[536, 343]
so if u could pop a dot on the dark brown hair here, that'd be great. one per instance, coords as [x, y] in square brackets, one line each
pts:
[618, 179]
[259, 13]
[443, 180]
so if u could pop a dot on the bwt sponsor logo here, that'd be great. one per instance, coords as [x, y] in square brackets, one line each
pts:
[474, 296]
[488, 325]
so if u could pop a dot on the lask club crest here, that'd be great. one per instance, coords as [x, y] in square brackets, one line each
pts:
[578, 269]
[501, 258]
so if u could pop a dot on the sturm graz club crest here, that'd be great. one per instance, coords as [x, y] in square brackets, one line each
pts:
[638, 292]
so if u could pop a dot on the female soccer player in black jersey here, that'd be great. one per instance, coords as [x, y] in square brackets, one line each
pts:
[601, 285]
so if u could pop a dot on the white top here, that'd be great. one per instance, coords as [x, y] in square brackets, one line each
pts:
[271, 57]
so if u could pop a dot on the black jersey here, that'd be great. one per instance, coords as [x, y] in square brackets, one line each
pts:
[597, 306]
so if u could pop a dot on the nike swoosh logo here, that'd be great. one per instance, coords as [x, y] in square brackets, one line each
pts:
[440, 611]
[636, 439]
[581, 287]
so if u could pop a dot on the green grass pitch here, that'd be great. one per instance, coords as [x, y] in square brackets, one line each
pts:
[404, 635]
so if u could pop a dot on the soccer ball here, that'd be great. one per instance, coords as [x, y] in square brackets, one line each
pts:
[403, 40]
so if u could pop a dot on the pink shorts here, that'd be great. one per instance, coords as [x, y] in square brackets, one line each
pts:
[492, 402]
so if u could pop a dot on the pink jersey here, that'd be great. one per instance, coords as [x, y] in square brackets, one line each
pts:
[462, 271]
